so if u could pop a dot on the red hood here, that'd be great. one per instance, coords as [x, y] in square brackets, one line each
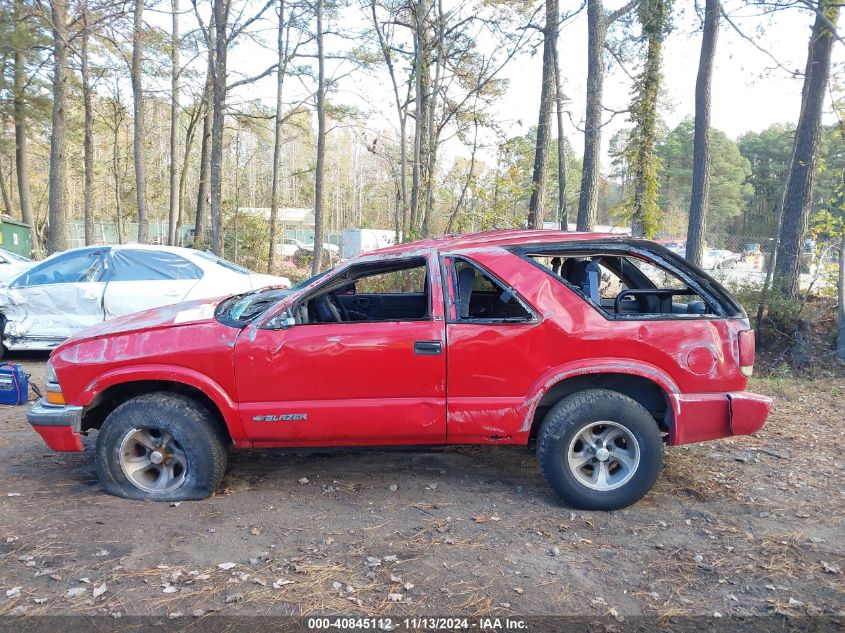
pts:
[198, 311]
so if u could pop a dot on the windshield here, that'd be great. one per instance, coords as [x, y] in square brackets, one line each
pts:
[242, 309]
[224, 262]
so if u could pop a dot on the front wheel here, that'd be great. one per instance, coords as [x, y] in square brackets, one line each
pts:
[599, 450]
[160, 447]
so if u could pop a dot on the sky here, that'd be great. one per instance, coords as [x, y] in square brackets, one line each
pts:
[750, 92]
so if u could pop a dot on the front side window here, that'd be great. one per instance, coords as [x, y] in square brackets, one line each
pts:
[480, 297]
[375, 291]
[74, 267]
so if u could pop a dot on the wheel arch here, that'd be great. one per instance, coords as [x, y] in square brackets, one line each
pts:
[648, 386]
[107, 392]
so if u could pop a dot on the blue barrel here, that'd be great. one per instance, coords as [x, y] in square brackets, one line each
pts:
[14, 384]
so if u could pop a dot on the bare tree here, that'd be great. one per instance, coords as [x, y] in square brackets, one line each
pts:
[562, 211]
[116, 121]
[598, 22]
[402, 114]
[538, 179]
[219, 89]
[88, 135]
[422, 94]
[802, 171]
[701, 143]
[4, 189]
[286, 52]
[58, 238]
[201, 221]
[138, 112]
[175, 201]
[321, 139]
[19, 104]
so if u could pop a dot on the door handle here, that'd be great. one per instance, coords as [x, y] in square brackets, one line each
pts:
[428, 348]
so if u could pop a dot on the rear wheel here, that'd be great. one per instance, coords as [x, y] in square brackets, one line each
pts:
[599, 450]
[160, 447]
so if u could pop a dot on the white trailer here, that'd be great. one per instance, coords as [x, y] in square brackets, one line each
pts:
[357, 241]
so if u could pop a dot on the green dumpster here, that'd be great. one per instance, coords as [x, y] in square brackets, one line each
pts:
[15, 236]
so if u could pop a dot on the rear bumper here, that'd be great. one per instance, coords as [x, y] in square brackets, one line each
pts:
[59, 425]
[710, 416]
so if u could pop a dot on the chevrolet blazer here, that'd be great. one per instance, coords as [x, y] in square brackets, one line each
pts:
[596, 349]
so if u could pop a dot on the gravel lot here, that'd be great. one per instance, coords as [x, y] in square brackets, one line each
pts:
[745, 526]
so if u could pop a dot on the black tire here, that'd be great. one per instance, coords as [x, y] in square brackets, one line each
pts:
[192, 429]
[565, 421]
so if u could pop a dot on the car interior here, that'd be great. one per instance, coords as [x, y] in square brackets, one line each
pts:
[375, 291]
[623, 284]
[481, 297]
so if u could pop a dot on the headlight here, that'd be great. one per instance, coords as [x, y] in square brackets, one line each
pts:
[51, 374]
[54, 392]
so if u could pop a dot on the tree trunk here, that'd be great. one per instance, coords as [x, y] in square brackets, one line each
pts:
[321, 143]
[277, 141]
[201, 221]
[422, 88]
[175, 202]
[138, 104]
[115, 157]
[840, 286]
[645, 211]
[562, 212]
[701, 144]
[221, 19]
[588, 199]
[21, 158]
[190, 133]
[58, 234]
[538, 180]
[432, 140]
[802, 172]
[88, 140]
[4, 188]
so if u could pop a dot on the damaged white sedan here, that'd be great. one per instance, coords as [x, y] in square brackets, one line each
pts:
[75, 289]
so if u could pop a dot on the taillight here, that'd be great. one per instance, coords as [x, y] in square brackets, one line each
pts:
[746, 352]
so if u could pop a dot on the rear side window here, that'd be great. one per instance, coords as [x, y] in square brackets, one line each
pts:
[149, 265]
[625, 286]
[479, 297]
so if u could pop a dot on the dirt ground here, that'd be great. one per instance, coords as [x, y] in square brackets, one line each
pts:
[746, 526]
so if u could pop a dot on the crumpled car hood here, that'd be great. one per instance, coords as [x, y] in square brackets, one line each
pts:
[198, 311]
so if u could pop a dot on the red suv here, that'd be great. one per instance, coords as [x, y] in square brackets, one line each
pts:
[598, 349]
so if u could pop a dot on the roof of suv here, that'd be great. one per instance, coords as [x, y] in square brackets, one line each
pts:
[499, 237]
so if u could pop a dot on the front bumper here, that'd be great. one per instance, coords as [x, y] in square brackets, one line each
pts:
[710, 416]
[59, 425]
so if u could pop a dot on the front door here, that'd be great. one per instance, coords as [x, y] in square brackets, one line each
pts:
[343, 376]
[58, 297]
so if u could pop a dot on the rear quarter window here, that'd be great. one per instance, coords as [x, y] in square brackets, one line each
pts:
[635, 283]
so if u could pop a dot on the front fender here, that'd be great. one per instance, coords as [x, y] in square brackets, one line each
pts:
[169, 373]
